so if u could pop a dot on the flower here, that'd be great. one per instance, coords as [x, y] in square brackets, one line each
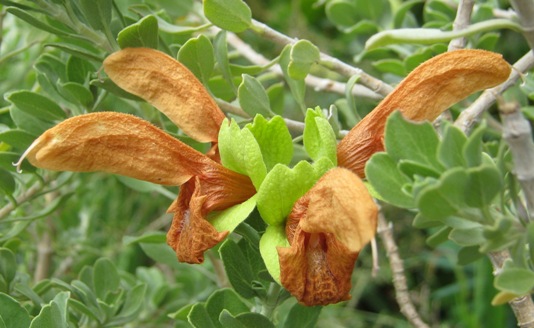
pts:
[334, 220]
[127, 145]
[423, 95]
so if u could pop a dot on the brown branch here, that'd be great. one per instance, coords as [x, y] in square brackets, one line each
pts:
[317, 83]
[523, 307]
[329, 62]
[462, 20]
[518, 134]
[525, 12]
[28, 194]
[402, 295]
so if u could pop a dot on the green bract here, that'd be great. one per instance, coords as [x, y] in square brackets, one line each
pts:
[319, 138]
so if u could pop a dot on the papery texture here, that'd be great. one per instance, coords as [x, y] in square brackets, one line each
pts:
[216, 188]
[170, 87]
[326, 230]
[424, 94]
[117, 143]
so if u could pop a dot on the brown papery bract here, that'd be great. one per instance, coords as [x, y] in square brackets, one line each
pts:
[170, 87]
[424, 94]
[117, 143]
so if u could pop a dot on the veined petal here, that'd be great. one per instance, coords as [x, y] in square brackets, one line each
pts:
[190, 235]
[424, 94]
[339, 203]
[216, 188]
[326, 229]
[116, 143]
[170, 87]
[316, 269]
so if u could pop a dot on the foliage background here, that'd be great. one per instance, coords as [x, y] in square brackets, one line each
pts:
[80, 227]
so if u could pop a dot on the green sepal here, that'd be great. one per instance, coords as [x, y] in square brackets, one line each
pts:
[230, 218]
[274, 139]
[319, 137]
[241, 152]
[273, 237]
[283, 186]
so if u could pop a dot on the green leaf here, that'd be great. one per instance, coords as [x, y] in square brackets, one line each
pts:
[276, 97]
[37, 105]
[468, 237]
[281, 189]
[273, 237]
[251, 319]
[438, 237]
[274, 139]
[224, 299]
[393, 66]
[79, 70]
[197, 54]
[342, 13]
[144, 33]
[297, 87]
[199, 317]
[319, 138]
[76, 94]
[381, 171]
[302, 316]
[412, 141]
[8, 265]
[30, 18]
[515, 280]
[253, 97]
[13, 313]
[472, 150]
[238, 269]
[444, 198]
[228, 320]
[450, 150]
[106, 279]
[230, 218]
[53, 314]
[302, 56]
[28, 122]
[97, 13]
[467, 255]
[132, 306]
[149, 237]
[220, 46]
[241, 152]
[231, 15]
[530, 240]
[413, 169]
[483, 185]
[7, 182]
[17, 138]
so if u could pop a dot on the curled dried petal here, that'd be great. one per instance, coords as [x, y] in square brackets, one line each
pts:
[170, 87]
[424, 94]
[216, 188]
[326, 229]
[116, 143]
[190, 235]
[339, 203]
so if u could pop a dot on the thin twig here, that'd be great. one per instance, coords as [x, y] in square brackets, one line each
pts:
[469, 116]
[462, 20]
[525, 11]
[399, 279]
[317, 83]
[37, 187]
[329, 62]
[518, 134]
